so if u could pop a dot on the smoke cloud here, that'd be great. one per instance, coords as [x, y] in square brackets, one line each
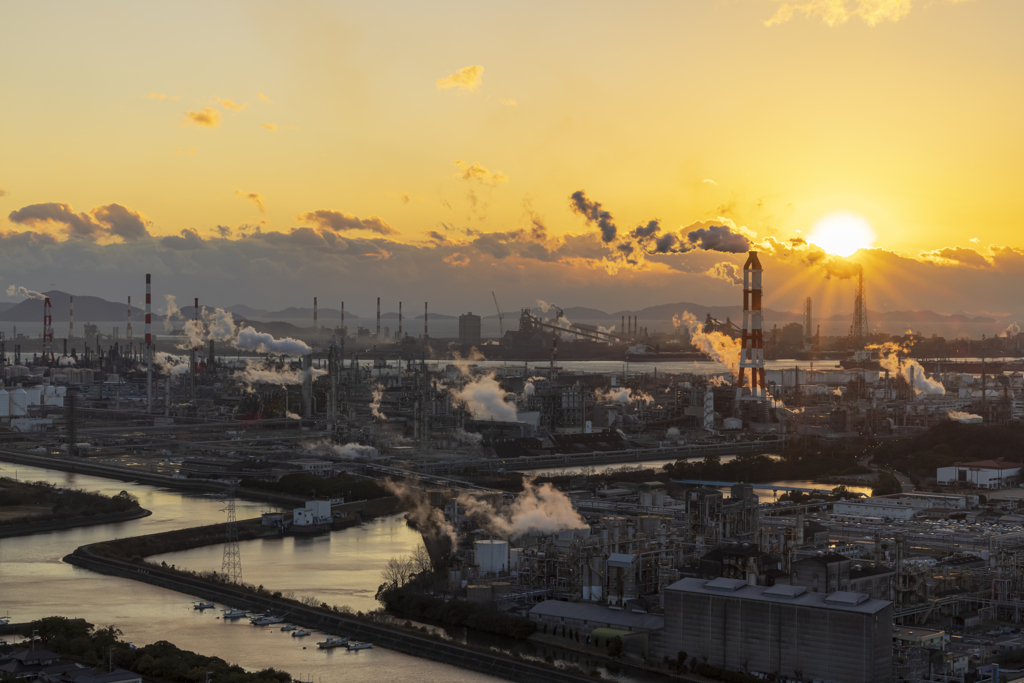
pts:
[485, 399]
[438, 534]
[542, 509]
[892, 358]
[262, 373]
[717, 346]
[250, 340]
[957, 416]
[349, 451]
[170, 364]
[729, 272]
[172, 312]
[21, 291]
[378, 395]
[468, 438]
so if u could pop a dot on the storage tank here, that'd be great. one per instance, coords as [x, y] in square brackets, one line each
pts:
[49, 390]
[87, 376]
[19, 403]
[491, 556]
[478, 594]
[500, 590]
[5, 403]
[62, 391]
[35, 395]
[57, 401]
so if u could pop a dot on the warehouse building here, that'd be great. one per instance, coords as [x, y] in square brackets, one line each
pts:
[983, 474]
[840, 637]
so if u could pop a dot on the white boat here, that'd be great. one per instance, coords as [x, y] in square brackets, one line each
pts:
[267, 621]
[202, 605]
[234, 613]
[332, 641]
[290, 627]
[300, 633]
[356, 645]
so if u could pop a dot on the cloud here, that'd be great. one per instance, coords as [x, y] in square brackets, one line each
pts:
[956, 256]
[838, 12]
[189, 240]
[255, 197]
[264, 98]
[103, 222]
[404, 197]
[709, 181]
[270, 126]
[231, 104]
[477, 172]
[508, 102]
[207, 118]
[466, 78]
[3, 192]
[594, 214]
[341, 222]
[456, 259]
[729, 272]
[159, 96]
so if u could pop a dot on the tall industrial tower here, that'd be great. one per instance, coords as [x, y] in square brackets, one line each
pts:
[860, 312]
[752, 350]
[231, 564]
[47, 331]
[808, 332]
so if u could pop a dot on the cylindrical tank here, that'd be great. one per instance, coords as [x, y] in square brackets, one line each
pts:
[49, 390]
[35, 395]
[62, 391]
[491, 556]
[479, 594]
[500, 590]
[88, 376]
[19, 403]
[38, 371]
[5, 403]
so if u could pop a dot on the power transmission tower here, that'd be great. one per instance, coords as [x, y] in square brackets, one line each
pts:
[231, 564]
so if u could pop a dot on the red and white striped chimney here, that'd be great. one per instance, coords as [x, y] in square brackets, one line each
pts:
[149, 310]
[399, 319]
[71, 319]
[128, 330]
[47, 330]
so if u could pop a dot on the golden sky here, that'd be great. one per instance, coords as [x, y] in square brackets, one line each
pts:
[367, 126]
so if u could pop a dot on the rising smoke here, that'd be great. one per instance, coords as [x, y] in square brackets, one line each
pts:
[438, 535]
[349, 451]
[717, 346]
[21, 291]
[892, 357]
[171, 364]
[250, 340]
[378, 395]
[485, 400]
[541, 509]
[624, 396]
[172, 312]
[471, 439]
[957, 416]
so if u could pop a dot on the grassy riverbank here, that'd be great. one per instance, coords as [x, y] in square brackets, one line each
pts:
[24, 505]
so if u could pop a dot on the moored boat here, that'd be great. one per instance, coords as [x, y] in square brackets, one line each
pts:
[331, 642]
[355, 645]
[300, 633]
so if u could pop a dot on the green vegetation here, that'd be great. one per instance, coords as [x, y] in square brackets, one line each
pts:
[949, 443]
[79, 640]
[310, 486]
[49, 503]
[410, 604]
[135, 548]
[887, 484]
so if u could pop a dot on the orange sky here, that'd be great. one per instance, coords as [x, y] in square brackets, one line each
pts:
[344, 134]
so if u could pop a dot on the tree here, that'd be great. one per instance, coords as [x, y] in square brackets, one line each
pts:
[397, 571]
[420, 560]
[615, 646]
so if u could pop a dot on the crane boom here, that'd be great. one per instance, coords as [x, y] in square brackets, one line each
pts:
[501, 327]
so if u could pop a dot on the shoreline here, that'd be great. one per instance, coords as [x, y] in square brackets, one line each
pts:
[62, 524]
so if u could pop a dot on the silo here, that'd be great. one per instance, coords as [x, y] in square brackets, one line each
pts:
[5, 403]
[19, 403]
[35, 395]
[478, 594]
[491, 556]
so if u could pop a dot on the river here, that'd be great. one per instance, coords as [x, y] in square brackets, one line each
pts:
[342, 568]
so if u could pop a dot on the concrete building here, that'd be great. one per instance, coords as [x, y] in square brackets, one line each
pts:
[840, 637]
[902, 506]
[469, 329]
[983, 474]
[585, 617]
[831, 572]
[316, 513]
[321, 468]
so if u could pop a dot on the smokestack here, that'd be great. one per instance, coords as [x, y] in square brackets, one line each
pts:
[71, 319]
[378, 317]
[554, 355]
[128, 329]
[149, 345]
[752, 352]
[195, 349]
[343, 318]
[399, 322]
[47, 331]
[622, 327]
[425, 334]
[860, 312]
[314, 314]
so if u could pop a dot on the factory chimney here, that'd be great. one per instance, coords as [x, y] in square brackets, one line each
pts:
[808, 337]
[314, 315]
[378, 317]
[71, 319]
[860, 313]
[399, 325]
[342, 318]
[195, 349]
[425, 333]
[128, 328]
[47, 331]
[554, 355]
[752, 350]
[622, 327]
[149, 345]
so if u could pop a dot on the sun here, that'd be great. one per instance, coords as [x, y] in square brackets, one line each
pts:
[842, 234]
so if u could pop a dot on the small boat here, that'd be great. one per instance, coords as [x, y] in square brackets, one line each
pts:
[300, 633]
[267, 621]
[332, 641]
[355, 645]
[290, 627]
[202, 605]
[234, 613]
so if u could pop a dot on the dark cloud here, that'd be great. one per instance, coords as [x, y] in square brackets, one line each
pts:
[189, 239]
[103, 222]
[341, 222]
[223, 231]
[718, 238]
[957, 255]
[594, 214]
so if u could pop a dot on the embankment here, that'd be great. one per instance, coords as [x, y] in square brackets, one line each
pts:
[473, 659]
[9, 531]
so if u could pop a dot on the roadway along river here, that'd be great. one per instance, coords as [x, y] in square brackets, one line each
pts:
[342, 568]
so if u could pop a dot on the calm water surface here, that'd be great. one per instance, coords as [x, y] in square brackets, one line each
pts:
[343, 568]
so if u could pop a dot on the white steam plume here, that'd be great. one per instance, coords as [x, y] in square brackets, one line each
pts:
[378, 395]
[471, 439]
[254, 374]
[485, 399]
[172, 312]
[541, 509]
[170, 364]
[21, 291]
[717, 346]
[623, 395]
[529, 389]
[673, 434]
[1012, 330]
[438, 534]
[250, 340]
[66, 361]
[957, 416]
[889, 358]
[292, 416]
[729, 272]
[718, 381]
[350, 451]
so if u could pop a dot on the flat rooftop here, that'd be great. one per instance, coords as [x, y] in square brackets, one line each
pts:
[782, 595]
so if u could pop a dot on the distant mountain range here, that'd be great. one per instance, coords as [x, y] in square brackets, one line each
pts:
[95, 309]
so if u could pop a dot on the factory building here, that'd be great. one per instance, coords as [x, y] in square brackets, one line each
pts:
[983, 474]
[841, 637]
[469, 329]
[831, 572]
